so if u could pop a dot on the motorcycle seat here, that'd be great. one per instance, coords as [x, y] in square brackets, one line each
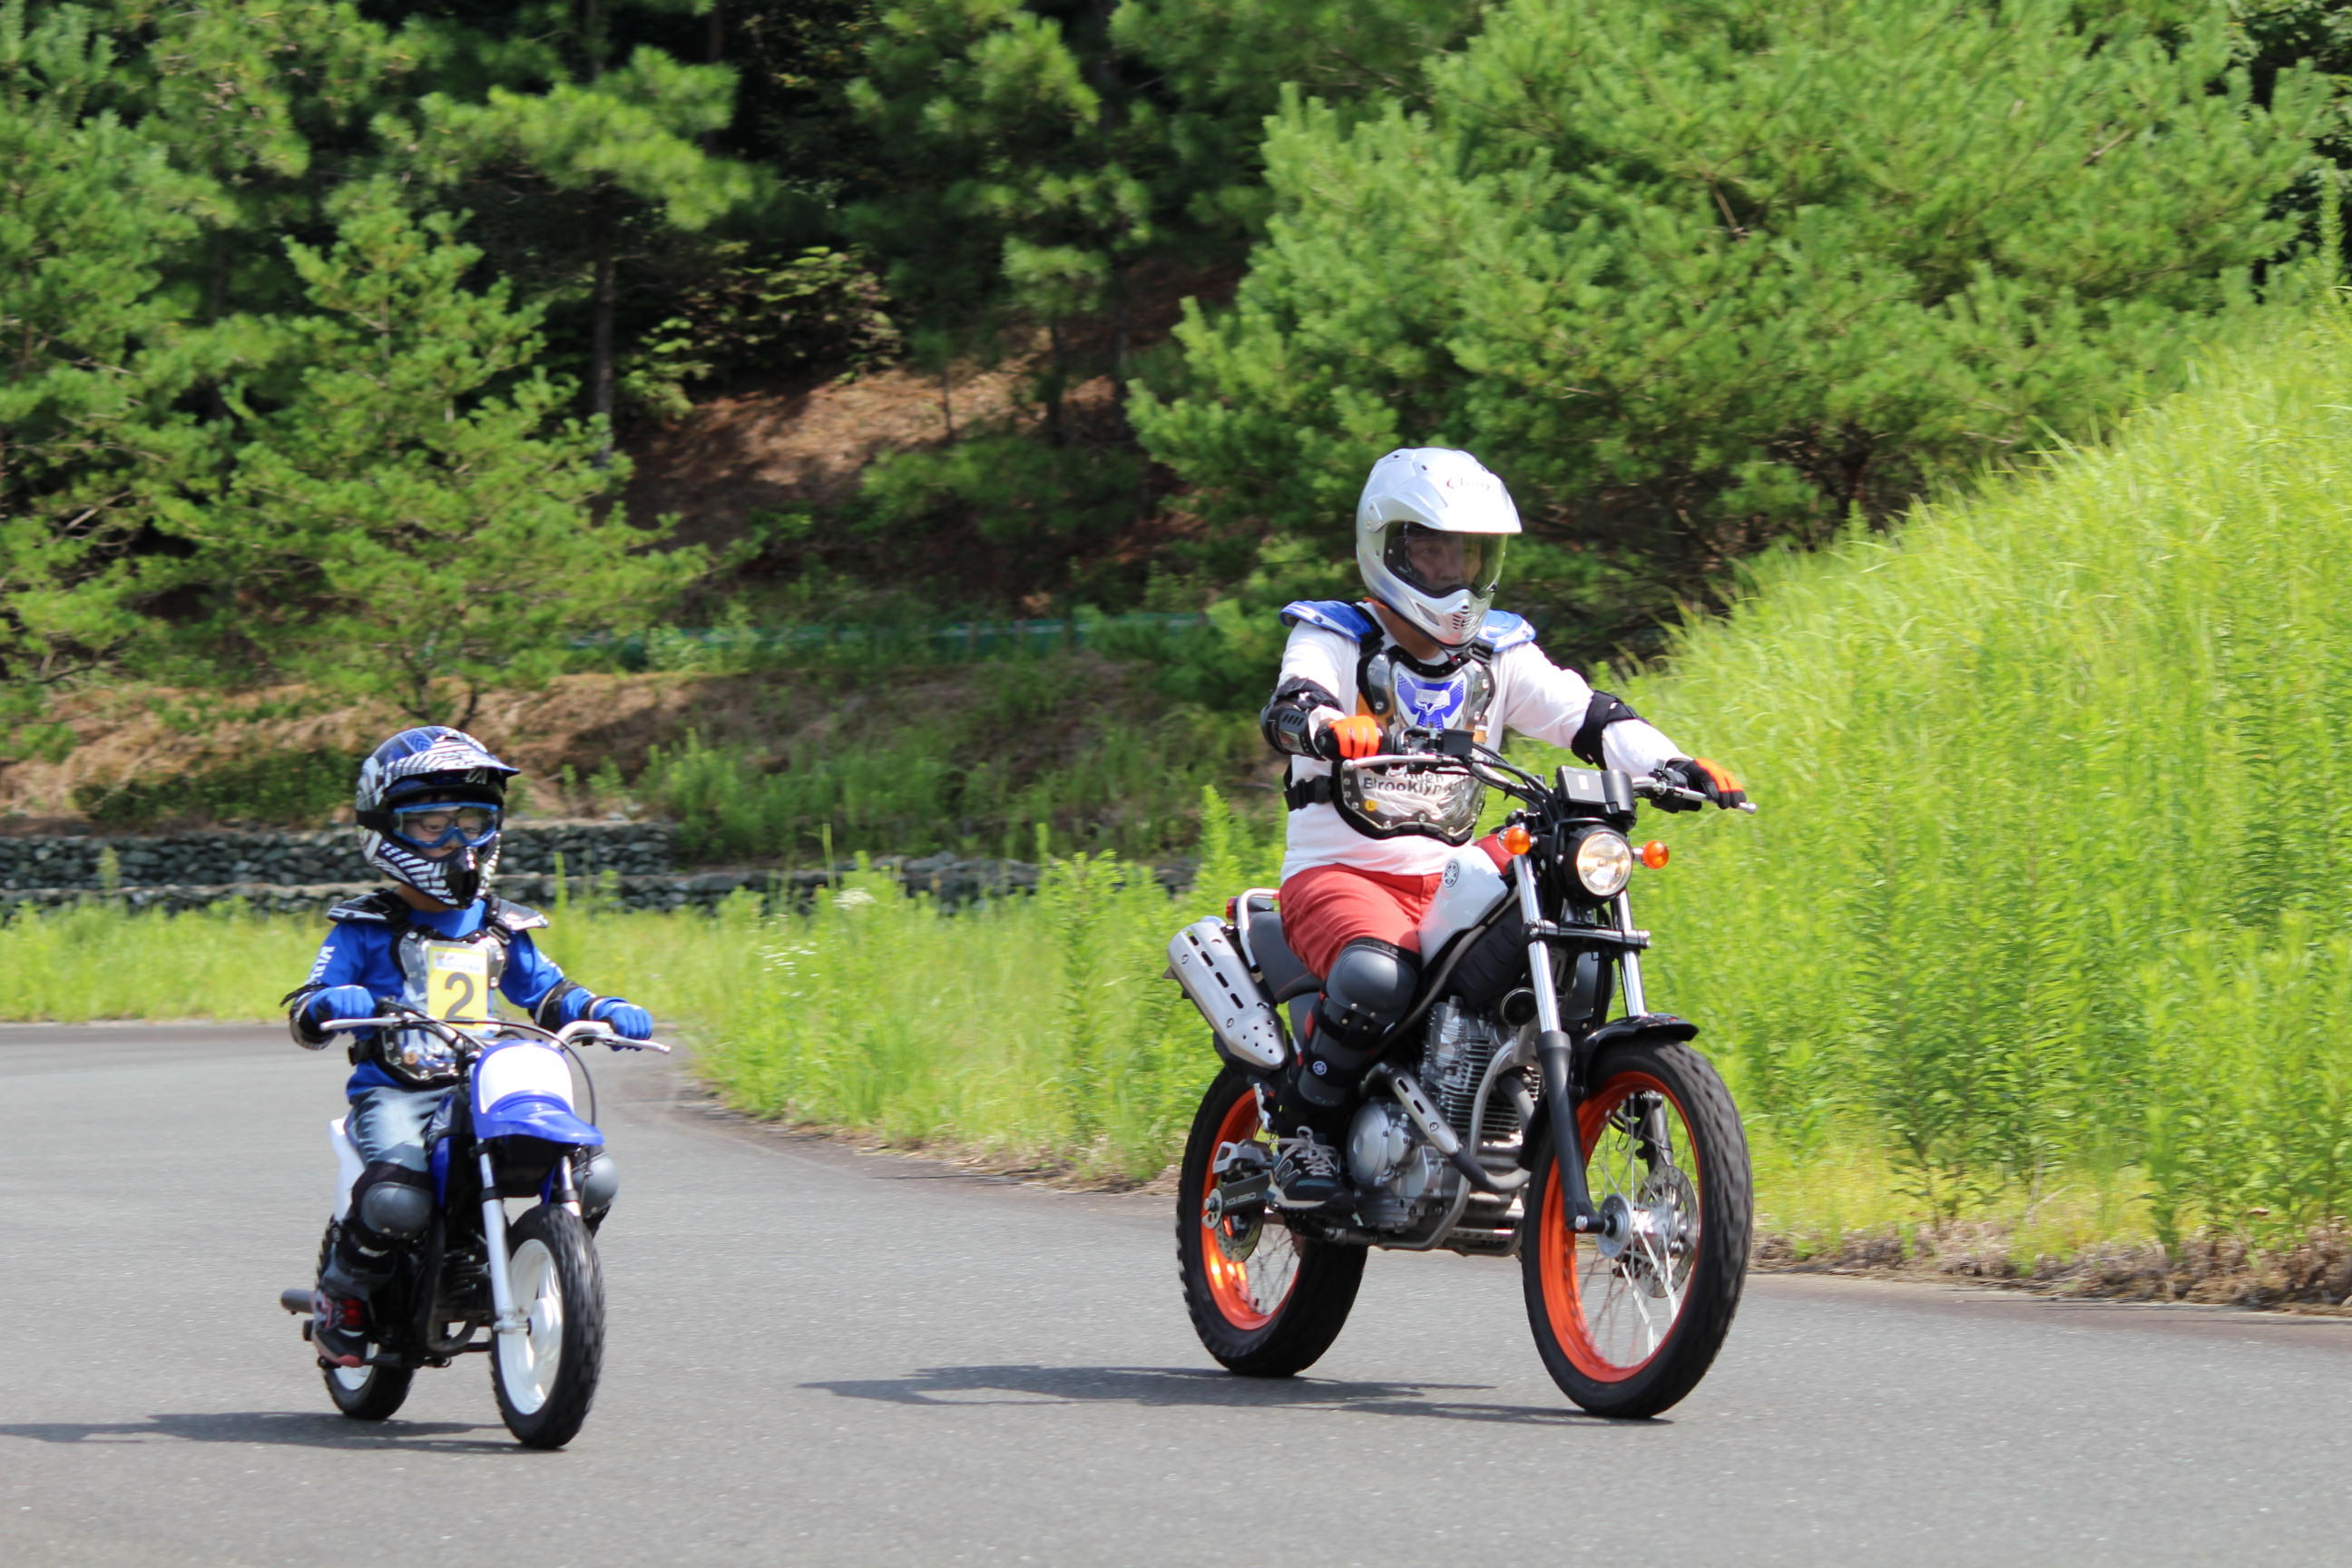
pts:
[1286, 979]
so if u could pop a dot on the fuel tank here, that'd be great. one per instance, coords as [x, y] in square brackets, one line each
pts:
[1470, 888]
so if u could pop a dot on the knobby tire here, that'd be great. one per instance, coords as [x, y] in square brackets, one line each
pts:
[1270, 1338]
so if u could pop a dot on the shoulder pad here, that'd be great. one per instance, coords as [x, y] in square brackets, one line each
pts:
[516, 917]
[1503, 631]
[1350, 621]
[383, 906]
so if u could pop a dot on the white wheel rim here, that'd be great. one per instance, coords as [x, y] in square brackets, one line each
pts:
[352, 1378]
[530, 1360]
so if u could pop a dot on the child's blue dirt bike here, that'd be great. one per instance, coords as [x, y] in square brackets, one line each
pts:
[508, 1130]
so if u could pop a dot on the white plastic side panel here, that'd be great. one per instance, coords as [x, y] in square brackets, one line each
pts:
[525, 1068]
[347, 1164]
[1470, 888]
[1204, 962]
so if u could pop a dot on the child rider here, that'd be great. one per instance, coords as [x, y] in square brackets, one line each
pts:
[430, 802]
[1366, 852]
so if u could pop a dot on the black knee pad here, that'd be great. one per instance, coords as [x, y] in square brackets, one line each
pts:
[391, 1203]
[1370, 984]
[599, 1183]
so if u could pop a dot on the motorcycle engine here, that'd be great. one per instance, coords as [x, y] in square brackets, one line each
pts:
[1400, 1174]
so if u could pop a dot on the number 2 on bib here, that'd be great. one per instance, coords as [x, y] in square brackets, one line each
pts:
[457, 980]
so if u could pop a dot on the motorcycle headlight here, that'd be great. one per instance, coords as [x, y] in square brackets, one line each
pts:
[1603, 862]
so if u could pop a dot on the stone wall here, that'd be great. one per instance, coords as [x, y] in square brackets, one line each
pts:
[626, 864]
[303, 859]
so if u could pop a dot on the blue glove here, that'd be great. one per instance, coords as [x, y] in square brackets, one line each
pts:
[627, 1019]
[339, 1002]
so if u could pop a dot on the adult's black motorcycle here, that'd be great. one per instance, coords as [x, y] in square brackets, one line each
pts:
[1528, 1103]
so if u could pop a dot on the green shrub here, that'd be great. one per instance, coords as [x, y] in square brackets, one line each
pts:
[290, 789]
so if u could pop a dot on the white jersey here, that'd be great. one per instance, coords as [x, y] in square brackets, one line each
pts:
[1532, 696]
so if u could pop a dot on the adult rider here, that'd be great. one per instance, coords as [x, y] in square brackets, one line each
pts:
[1422, 652]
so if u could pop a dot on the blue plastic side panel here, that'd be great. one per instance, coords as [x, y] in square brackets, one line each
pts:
[536, 1116]
[1504, 630]
[1350, 621]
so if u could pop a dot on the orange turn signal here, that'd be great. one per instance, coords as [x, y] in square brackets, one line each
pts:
[1517, 840]
[1654, 854]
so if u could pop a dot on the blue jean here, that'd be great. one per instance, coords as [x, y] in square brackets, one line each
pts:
[389, 1123]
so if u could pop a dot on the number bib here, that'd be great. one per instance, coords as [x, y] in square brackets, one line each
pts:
[457, 980]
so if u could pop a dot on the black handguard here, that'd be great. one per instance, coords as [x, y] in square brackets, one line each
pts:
[1289, 721]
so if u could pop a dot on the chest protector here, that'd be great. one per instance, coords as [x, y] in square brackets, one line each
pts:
[1413, 702]
[417, 1056]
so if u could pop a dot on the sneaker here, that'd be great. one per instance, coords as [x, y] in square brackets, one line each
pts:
[339, 1330]
[1306, 1174]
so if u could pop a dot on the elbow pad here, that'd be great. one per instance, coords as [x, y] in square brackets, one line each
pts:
[565, 1004]
[306, 1033]
[1288, 721]
[1603, 710]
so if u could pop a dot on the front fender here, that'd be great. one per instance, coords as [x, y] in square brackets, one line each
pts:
[1660, 1028]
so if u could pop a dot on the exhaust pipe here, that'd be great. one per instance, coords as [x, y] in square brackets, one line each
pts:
[1204, 961]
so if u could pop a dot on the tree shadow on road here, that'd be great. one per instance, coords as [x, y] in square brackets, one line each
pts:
[1198, 1387]
[286, 1429]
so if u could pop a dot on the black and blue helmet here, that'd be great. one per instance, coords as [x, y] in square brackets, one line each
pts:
[432, 803]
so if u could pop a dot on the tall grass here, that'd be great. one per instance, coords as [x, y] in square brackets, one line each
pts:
[2050, 889]
[93, 961]
[1037, 1027]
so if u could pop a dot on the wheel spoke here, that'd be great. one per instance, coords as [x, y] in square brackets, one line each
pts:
[1628, 1303]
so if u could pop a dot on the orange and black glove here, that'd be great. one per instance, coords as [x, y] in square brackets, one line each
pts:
[1711, 780]
[1356, 735]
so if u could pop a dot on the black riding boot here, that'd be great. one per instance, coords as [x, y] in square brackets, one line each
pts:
[1370, 986]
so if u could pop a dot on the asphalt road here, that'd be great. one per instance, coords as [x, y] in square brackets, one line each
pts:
[822, 1357]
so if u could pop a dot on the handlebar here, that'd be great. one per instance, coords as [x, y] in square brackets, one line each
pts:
[1483, 757]
[580, 1031]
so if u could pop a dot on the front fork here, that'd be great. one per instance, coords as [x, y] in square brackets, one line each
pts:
[507, 1319]
[1558, 1056]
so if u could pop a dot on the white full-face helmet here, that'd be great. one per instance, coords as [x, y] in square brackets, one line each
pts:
[1430, 528]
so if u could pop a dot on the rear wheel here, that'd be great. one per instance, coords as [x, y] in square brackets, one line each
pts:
[1629, 1321]
[546, 1373]
[363, 1393]
[1265, 1300]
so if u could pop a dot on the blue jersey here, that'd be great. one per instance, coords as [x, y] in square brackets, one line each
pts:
[366, 951]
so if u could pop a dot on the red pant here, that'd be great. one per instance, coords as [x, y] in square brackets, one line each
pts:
[1325, 908]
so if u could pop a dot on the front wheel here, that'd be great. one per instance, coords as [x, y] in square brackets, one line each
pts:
[545, 1374]
[1266, 1302]
[1630, 1320]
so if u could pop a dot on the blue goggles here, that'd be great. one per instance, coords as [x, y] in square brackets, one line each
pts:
[439, 826]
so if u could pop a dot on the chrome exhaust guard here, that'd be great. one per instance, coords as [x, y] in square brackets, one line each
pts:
[1204, 961]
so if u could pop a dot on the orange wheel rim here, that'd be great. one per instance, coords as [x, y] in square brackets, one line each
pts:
[1613, 1316]
[1250, 1290]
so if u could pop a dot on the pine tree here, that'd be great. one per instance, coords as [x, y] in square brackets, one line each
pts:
[1692, 276]
[412, 518]
[572, 140]
[94, 360]
[1007, 133]
[1212, 72]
